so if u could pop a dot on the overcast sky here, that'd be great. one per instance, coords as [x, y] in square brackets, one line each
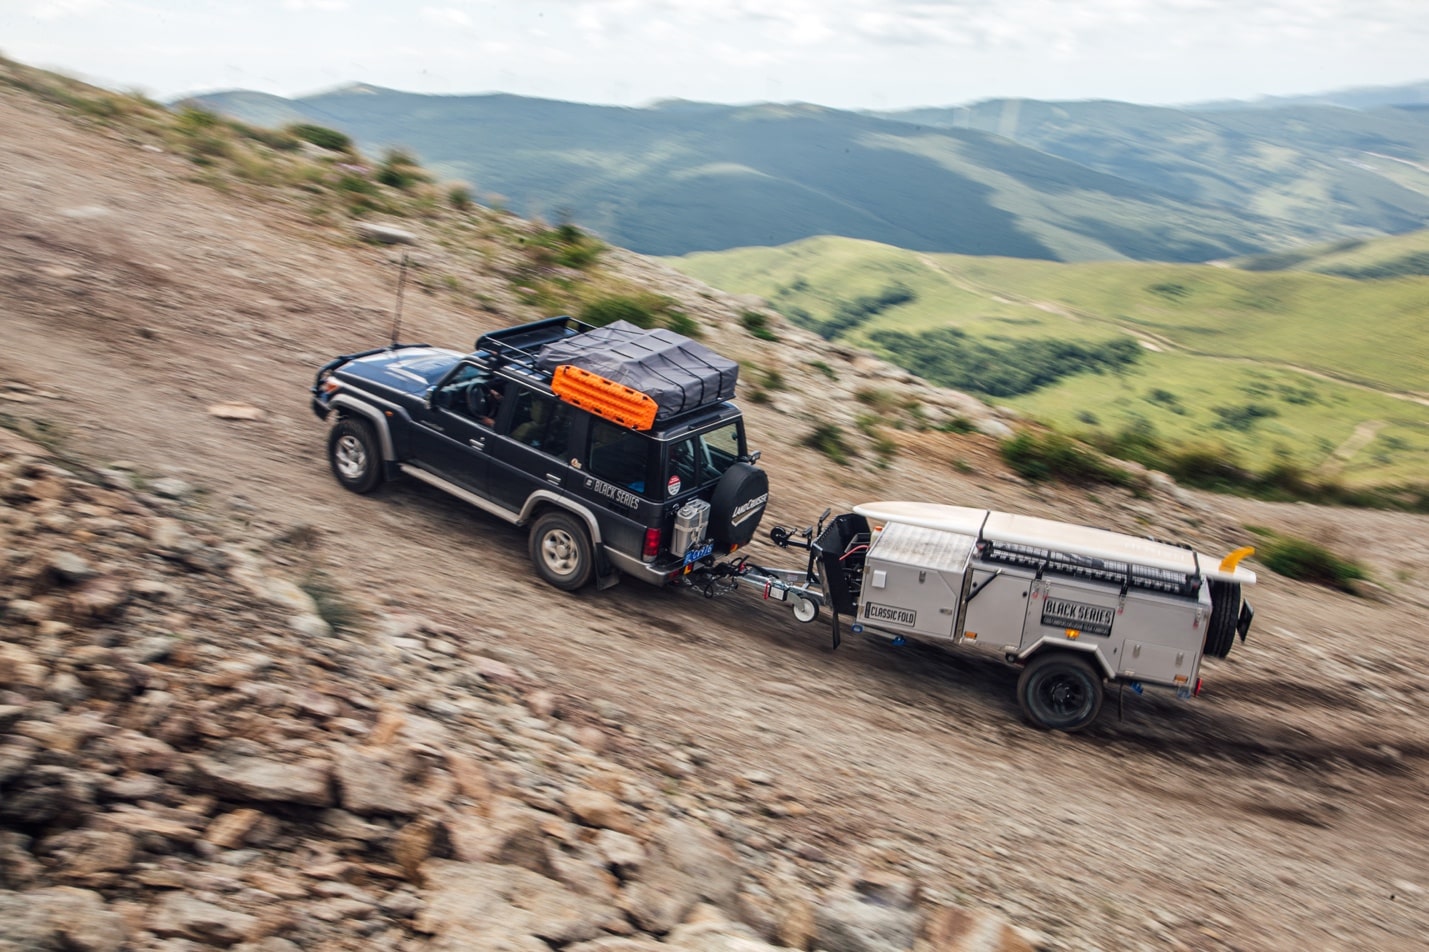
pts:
[842, 53]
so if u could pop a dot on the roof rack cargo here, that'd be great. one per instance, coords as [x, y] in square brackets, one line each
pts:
[631, 375]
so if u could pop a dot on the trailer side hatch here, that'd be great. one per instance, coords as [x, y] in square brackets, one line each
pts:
[916, 579]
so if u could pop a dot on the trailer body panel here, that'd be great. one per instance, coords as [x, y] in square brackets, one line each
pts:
[916, 580]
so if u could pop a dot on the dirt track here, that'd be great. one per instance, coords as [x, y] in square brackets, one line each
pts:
[1286, 808]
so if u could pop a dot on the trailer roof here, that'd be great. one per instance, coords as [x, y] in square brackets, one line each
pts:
[1008, 528]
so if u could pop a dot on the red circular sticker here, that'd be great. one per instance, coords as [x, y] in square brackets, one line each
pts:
[673, 486]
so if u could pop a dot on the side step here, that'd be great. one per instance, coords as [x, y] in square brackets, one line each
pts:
[465, 495]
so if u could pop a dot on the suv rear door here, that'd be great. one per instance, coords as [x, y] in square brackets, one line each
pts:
[618, 478]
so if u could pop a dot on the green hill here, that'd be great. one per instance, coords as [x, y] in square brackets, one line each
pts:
[1395, 257]
[1339, 170]
[1328, 373]
[1068, 182]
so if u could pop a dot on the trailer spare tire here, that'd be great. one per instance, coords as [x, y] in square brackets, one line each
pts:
[1225, 613]
[738, 504]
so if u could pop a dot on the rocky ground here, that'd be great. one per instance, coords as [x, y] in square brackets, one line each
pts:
[192, 756]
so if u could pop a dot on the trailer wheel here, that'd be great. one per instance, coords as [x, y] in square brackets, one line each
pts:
[561, 551]
[1225, 614]
[354, 454]
[1060, 691]
[805, 609]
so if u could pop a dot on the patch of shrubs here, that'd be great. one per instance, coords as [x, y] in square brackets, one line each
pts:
[1049, 456]
[1308, 561]
[828, 438]
[948, 356]
[322, 137]
[401, 170]
[459, 196]
[608, 310]
[1414, 264]
[1243, 418]
[642, 310]
[569, 246]
[851, 314]
[1217, 469]
[757, 324]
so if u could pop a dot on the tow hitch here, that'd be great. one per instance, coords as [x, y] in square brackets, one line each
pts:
[779, 585]
[804, 591]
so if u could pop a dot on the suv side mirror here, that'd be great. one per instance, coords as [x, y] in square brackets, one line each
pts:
[750, 457]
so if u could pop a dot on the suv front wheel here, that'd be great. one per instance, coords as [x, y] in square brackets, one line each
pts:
[354, 454]
[561, 550]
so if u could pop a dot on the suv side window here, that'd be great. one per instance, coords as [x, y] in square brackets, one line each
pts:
[471, 392]
[619, 455]
[541, 421]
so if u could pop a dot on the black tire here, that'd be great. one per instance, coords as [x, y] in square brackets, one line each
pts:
[561, 551]
[355, 456]
[1060, 691]
[1225, 614]
[738, 504]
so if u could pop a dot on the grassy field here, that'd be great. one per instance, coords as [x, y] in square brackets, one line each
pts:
[1326, 373]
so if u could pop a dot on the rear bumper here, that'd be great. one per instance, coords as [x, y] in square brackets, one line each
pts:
[652, 573]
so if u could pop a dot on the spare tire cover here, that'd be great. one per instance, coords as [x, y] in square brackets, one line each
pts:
[738, 505]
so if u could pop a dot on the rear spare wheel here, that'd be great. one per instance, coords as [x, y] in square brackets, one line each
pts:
[1225, 613]
[738, 505]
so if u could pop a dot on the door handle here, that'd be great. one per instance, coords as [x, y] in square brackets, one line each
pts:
[553, 478]
[478, 443]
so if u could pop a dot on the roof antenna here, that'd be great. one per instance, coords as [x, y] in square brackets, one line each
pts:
[397, 315]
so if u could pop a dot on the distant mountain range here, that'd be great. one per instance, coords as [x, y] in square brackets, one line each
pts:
[1067, 181]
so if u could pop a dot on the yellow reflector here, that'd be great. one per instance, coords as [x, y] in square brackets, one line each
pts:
[1073, 633]
[1180, 679]
[1229, 563]
[970, 635]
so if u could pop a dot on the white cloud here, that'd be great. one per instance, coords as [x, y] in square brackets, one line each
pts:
[62, 9]
[319, 6]
[446, 16]
[848, 53]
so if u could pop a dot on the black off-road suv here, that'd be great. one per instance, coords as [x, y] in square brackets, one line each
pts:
[618, 446]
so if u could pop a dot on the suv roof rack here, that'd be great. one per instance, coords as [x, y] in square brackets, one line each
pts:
[521, 344]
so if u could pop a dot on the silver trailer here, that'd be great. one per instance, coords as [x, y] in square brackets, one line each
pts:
[1078, 608]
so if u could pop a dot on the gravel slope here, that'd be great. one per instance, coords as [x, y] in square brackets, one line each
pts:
[1286, 808]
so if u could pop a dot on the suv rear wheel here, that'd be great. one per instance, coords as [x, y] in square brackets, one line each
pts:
[355, 457]
[561, 550]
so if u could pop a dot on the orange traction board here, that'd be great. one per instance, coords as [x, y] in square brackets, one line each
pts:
[605, 398]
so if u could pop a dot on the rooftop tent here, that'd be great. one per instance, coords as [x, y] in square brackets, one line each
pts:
[679, 374]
